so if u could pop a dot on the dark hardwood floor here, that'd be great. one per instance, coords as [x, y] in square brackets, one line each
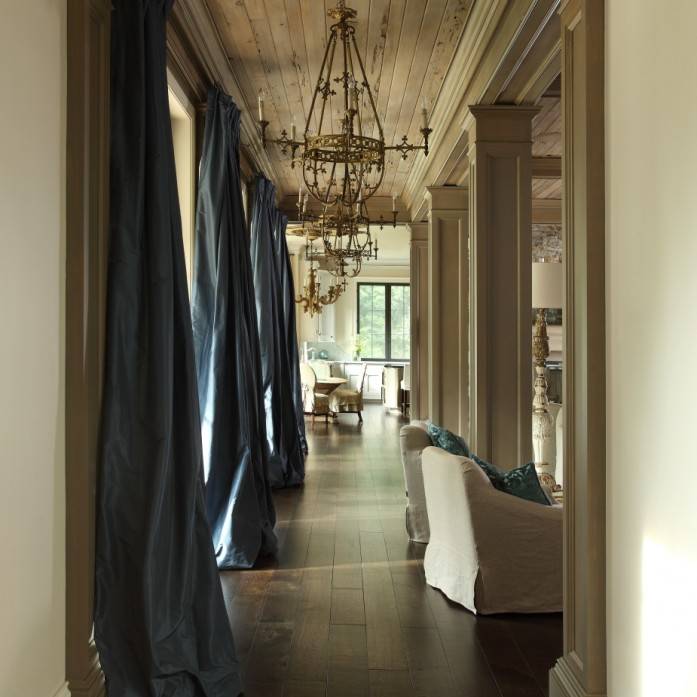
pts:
[345, 610]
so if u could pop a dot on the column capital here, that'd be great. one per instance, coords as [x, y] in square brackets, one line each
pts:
[447, 198]
[501, 123]
[419, 231]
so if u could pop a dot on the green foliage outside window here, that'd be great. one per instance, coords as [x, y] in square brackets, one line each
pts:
[384, 320]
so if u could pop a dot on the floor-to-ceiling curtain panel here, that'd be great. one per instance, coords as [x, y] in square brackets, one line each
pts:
[160, 621]
[226, 340]
[291, 335]
[287, 456]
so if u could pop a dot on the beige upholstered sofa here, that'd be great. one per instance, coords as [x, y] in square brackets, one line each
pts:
[488, 550]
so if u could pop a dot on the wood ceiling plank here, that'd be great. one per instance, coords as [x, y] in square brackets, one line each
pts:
[243, 49]
[288, 62]
[546, 188]
[422, 50]
[406, 53]
[383, 86]
[374, 54]
[451, 29]
[300, 57]
[546, 129]
[236, 31]
[315, 31]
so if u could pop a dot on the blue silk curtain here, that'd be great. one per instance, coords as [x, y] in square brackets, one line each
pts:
[160, 621]
[285, 425]
[238, 496]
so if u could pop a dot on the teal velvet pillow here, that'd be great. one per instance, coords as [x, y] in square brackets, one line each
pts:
[491, 471]
[523, 483]
[442, 438]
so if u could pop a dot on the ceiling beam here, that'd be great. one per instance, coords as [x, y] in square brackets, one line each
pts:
[546, 167]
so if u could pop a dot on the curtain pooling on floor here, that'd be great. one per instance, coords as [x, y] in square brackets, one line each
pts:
[226, 340]
[285, 426]
[161, 626]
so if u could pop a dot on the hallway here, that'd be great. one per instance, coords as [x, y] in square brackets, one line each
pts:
[345, 609]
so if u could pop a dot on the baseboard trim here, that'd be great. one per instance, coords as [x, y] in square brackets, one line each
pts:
[563, 682]
[62, 691]
[92, 685]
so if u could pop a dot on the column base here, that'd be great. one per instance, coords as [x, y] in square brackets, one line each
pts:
[563, 682]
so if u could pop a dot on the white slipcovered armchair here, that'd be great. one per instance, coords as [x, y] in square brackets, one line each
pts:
[413, 439]
[488, 550]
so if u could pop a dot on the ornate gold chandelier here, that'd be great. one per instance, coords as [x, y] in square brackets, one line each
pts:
[341, 166]
[312, 299]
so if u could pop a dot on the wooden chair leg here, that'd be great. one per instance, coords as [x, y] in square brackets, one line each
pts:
[360, 418]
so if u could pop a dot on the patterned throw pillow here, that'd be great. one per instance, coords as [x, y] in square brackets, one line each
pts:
[442, 438]
[523, 483]
[494, 473]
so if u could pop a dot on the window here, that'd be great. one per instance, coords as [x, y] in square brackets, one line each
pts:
[384, 321]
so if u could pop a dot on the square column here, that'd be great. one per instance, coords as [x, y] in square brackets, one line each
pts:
[500, 153]
[418, 272]
[448, 308]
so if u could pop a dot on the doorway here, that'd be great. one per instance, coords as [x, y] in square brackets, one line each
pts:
[582, 670]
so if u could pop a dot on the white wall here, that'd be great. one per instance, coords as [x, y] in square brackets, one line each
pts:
[652, 347]
[32, 263]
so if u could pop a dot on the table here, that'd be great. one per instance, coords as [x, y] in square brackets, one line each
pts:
[328, 385]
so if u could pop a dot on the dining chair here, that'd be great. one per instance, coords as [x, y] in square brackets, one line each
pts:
[314, 403]
[345, 400]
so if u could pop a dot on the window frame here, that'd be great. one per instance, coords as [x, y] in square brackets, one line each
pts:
[388, 285]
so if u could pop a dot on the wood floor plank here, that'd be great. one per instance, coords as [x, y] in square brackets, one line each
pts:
[348, 647]
[390, 683]
[305, 688]
[373, 547]
[511, 672]
[386, 650]
[434, 682]
[347, 606]
[424, 648]
[269, 657]
[347, 555]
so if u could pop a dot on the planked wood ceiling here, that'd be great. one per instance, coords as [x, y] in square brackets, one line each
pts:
[546, 142]
[278, 46]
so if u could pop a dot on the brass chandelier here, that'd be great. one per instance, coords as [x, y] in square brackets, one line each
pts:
[342, 150]
[312, 299]
[345, 232]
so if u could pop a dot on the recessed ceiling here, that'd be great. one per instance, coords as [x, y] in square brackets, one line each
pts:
[278, 46]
